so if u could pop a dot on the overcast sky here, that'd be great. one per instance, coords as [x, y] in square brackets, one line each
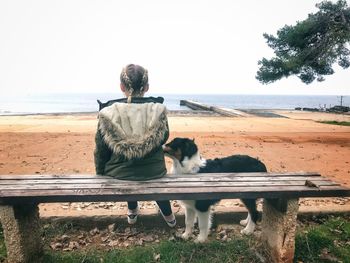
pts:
[188, 46]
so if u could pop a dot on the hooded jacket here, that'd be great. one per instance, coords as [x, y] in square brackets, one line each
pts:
[129, 140]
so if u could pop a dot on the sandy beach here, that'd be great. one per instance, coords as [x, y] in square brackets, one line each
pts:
[63, 144]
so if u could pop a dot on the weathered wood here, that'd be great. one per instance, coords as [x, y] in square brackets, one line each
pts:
[163, 180]
[84, 176]
[203, 186]
[143, 194]
[77, 188]
[207, 184]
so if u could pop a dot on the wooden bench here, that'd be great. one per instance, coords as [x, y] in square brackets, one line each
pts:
[20, 195]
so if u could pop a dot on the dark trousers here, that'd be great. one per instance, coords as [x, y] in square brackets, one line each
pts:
[164, 206]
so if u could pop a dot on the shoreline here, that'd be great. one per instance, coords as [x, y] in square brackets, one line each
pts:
[188, 112]
[281, 121]
[75, 113]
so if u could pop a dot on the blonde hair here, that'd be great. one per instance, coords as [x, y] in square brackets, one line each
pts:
[135, 80]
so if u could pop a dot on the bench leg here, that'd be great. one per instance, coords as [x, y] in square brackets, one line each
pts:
[22, 232]
[279, 221]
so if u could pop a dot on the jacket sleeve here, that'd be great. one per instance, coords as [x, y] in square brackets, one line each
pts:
[166, 134]
[102, 153]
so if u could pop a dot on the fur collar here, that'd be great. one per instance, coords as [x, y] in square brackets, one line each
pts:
[133, 130]
[188, 165]
[133, 100]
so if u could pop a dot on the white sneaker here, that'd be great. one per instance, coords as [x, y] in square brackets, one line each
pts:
[132, 216]
[170, 223]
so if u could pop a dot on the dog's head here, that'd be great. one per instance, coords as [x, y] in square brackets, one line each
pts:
[180, 148]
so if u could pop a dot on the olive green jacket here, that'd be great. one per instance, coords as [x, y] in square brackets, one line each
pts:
[129, 140]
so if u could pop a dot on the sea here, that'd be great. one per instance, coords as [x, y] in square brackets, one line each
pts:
[87, 102]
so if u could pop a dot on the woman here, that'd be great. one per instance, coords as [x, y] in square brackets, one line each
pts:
[130, 135]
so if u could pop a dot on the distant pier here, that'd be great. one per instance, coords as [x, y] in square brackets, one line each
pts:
[222, 111]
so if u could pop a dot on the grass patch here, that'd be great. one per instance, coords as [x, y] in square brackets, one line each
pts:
[167, 251]
[327, 242]
[2, 246]
[342, 123]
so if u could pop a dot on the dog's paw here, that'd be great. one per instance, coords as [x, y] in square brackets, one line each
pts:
[243, 222]
[200, 239]
[185, 236]
[247, 231]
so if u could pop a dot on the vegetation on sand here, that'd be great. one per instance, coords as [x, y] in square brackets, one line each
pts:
[342, 123]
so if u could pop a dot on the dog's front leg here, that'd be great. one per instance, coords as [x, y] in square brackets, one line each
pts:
[190, 216]
[244, 222]
[204, 222]
[249, 225]
[250, 222]
[249, 229]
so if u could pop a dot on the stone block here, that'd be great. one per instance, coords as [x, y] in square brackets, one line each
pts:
[22, 232]
[279, 221]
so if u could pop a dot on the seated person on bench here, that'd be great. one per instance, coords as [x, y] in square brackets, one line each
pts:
[130, 135]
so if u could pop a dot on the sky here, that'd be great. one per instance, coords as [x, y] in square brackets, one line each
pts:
[192, 47]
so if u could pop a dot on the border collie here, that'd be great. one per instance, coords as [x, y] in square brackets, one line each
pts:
[186, 160]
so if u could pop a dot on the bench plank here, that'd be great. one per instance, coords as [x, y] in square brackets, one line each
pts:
[32, 186]
[194, 186]
[84, 176]
[197, 178]
[146, 194]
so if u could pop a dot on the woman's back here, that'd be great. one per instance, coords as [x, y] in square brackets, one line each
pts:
[135, 134]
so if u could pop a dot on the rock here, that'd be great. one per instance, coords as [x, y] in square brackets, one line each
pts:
[113, 243]
[325, 254]
[82, 242]
[224, 238]
[225, 227]
[56, 246]
[111, 227]
[73, 245]
[156, 257]
[126, 244]
[139, 242]
[148, 238]
[65, 238]
[105, 238]
[133, 231]
[94, 231]
[222, 234]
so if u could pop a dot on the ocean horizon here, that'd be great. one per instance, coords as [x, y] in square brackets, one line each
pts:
[87, 102]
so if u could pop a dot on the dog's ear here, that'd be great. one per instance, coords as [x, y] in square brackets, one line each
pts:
[100, 105]
[193, 139]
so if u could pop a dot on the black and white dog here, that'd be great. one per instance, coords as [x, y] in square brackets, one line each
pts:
[186, 160]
